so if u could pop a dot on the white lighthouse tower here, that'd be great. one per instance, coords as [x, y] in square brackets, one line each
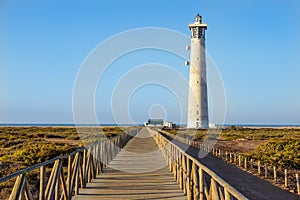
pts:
[198, 104]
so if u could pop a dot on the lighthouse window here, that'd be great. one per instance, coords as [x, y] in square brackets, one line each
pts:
[197, 112]
[196, 32]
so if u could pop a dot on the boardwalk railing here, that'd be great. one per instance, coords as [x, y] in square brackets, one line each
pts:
[286, 179]
[196, 180]
[69, 172]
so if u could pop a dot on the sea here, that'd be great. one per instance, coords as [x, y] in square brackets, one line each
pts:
[66, 124]
[72, 124]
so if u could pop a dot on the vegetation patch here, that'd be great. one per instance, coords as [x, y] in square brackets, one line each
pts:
[278, 147]
[281, 153]
[21, 147]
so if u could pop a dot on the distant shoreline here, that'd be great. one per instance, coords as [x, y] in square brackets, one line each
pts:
[66, 125]
[276, 126]
[254, 126]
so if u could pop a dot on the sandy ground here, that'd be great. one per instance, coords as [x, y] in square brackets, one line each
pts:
[239, 145]
[62, 140]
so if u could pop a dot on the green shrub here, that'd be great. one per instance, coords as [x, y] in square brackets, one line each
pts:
[281, 153]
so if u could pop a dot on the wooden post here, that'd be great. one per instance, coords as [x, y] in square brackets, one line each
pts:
[201, 186]
[168, 158]
[51, 190]
[213, 189]
[171, 158]
[181, 172]
[188, 180]
[42, 182]
[18, 187]
[266, 170]
[175, 164]
[64, 192]
[111, 150]
[285, 178]
[51, 178]
[245, 164]
[57, 189]
[84, 166]
[76, 174]
[105, 152]
[178, 167]
[99, 158]
[297, 183]
[195, 181]
[274, 173]
[258, 168]
[230, 157]
[251, 165]
[240, 160]
[227, 195]
[116, 147]
[77, 166]
[102, 156]
[184, 173]
[234, 158]
[28, 195]
[69, 177]
[96, 159]
[89, 166]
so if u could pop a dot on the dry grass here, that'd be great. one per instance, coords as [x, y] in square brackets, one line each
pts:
[21, 147]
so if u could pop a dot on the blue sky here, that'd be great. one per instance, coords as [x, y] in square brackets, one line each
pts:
[255, 45]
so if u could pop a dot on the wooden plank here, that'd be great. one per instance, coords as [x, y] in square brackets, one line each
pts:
[195, 181]
[63, 185]
[42, 182]
[53, 184]
[201, 184]
[50, 180]
[18, 188]
[69, 178]
[298, 184]
[221, 193]
[74, 172]
[28, 194]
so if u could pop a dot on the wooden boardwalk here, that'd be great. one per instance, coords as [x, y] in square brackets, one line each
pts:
[139, 171]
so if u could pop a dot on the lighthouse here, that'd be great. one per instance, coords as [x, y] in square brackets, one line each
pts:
[198, 102]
